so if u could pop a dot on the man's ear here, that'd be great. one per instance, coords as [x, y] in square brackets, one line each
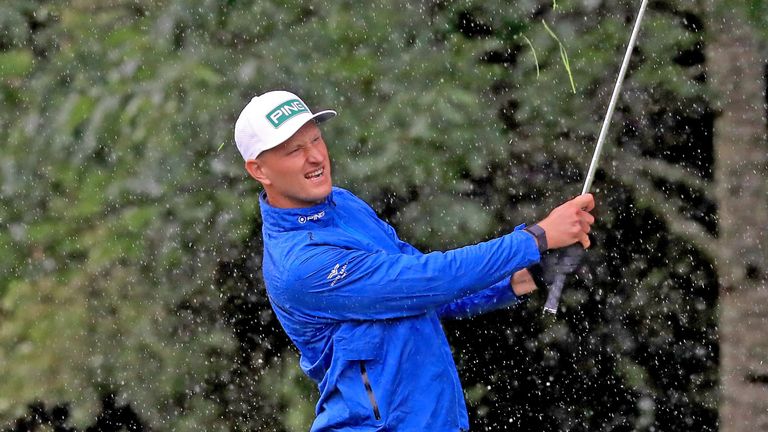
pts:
[254, 168]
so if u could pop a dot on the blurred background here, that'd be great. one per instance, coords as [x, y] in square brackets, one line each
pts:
[131, 295]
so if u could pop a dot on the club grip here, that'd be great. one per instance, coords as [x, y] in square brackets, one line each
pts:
[569, 261]
[553, 298]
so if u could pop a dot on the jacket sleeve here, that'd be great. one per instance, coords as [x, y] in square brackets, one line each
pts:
[499, 295]
[329, 282]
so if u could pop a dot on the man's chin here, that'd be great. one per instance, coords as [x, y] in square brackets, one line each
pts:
[319, 195]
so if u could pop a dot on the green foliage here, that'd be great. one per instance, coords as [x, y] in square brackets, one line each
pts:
[120, 206]
[758, 11]
[115, 220]
[15, 64]
[123, 193]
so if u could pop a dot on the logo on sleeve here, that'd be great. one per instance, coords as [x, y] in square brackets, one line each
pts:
[337, 273]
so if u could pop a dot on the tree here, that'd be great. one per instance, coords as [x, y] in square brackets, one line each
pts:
[738, 65]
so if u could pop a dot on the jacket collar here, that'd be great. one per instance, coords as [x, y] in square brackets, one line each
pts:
[287, 219]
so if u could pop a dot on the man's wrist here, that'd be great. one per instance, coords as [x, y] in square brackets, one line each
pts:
[539, 235]
[522, 282]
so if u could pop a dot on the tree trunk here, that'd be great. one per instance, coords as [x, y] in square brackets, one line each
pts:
[736, 72]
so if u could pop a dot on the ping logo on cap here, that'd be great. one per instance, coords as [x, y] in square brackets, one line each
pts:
[285, 111]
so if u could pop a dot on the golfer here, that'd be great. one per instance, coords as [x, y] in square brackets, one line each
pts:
[362, 306]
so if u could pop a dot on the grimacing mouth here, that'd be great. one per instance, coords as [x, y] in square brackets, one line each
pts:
[317, 173]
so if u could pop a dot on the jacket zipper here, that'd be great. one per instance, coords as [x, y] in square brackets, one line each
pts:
[369, 390]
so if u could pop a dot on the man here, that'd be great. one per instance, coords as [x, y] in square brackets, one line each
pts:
[362, 306]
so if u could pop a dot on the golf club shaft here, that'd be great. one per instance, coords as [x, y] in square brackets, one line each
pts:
[614, 98]
[553, 298]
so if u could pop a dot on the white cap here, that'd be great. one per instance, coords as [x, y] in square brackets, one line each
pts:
[270, 119]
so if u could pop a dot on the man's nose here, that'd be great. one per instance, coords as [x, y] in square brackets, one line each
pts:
[314, 154]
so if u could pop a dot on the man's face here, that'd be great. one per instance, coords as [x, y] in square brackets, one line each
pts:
[297, 173]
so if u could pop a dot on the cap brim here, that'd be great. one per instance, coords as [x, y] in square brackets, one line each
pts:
[323, 116]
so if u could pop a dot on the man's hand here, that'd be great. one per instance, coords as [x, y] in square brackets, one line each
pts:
[522, 282]
[570, 223]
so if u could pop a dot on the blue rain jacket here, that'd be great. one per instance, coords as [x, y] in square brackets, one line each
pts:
[364, 310]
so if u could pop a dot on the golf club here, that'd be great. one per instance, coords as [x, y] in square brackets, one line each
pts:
[573, 253]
